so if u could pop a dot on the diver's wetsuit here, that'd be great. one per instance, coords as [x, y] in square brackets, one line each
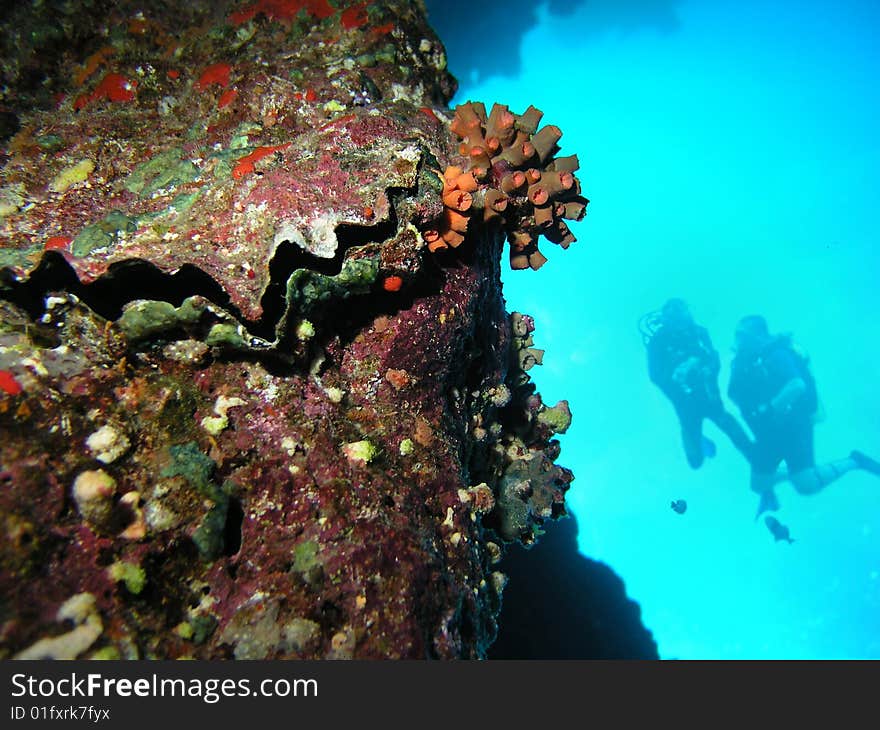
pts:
[776, 394]
[754, 381]
[685, 366]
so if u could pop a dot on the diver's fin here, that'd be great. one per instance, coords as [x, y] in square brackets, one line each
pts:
[863, 461]
[768, 503]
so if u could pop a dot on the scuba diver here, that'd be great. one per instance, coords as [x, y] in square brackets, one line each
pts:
[685, 366]
[773, 387]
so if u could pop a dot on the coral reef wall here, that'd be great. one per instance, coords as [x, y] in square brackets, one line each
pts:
[245, 410]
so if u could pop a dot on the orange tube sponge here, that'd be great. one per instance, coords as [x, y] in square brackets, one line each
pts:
[574, 210]
[453, 238]
[537, 260]
[457, 200]
[513, 181]
[545, 141]
[565, 164]
[500, 125]
[529, 120]
[549, 185]
[466, 182]
[507, 176]
[560, 234]
[494, 205]
[519, 152]
[544, 217]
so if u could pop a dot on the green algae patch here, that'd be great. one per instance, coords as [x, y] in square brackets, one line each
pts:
[76, 173]
[133, 576]
[106, 653]
[166, 170]
[209, 536]
[183, 202]
[240, 139]
[309, 288]
[189, 462]
[49, 142]
[239, 146]
[362, 451]
[305, 330]
[196, 468]
[203, 626]
[145, 318]
[13, 257]
[305, 557]
[103, 234]
[226, 335]
[557, 418]
[12, 199]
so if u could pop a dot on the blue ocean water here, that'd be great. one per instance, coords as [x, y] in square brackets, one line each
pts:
[731, 156]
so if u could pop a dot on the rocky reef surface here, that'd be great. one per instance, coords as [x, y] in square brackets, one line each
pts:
[259, 393]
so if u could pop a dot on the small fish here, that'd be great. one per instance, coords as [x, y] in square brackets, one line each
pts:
[777, 529]
[680, 506]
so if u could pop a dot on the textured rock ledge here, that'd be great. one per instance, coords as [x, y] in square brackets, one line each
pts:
[244, 411]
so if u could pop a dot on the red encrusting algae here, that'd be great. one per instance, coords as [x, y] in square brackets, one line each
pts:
[226, 98]
[380, 30]
[57, 243]
[354, 17]
[245, 165]
[217, 73]
[8, 383]
[113, 87]
[392, 283]
[283, 10]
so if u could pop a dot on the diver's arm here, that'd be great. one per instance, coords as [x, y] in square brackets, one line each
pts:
[715, 362]
[782, 367]
[788, 395]
[712, 357]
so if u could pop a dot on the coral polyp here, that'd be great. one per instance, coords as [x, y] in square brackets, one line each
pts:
[510, 178]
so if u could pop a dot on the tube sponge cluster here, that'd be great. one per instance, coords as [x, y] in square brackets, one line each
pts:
[510, 178]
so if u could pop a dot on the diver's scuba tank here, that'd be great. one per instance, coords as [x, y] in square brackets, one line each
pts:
[803, 360]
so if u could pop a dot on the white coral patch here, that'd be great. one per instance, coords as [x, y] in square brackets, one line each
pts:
[321, 240]
[107, 444]
[215, 424]
[323, 235]
[82, 611]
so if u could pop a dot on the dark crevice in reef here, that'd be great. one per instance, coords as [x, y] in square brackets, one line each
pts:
[289, 258]
[342, 320]
[345, 319]
[137, 279]
[124, 282]
[232, 527]
[350, 234]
